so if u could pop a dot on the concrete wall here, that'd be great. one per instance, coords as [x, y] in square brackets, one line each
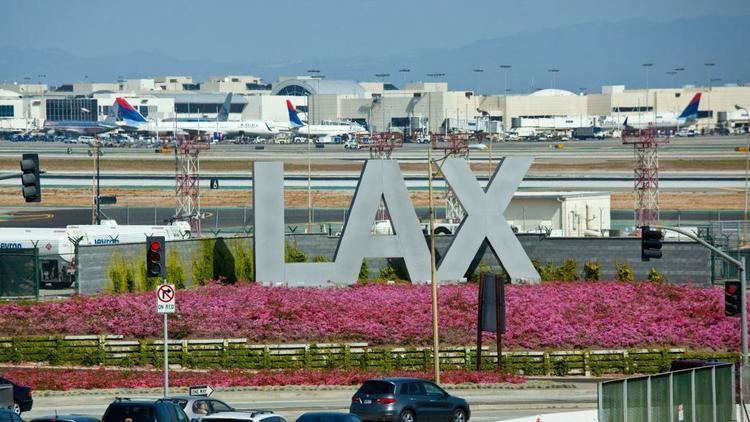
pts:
[683, 262]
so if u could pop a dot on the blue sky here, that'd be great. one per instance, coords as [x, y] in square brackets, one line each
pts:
[593, 42]
[284, 29]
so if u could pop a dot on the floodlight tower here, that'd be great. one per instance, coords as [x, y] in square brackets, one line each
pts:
[187, 182]
[645, 174]
[453, 146]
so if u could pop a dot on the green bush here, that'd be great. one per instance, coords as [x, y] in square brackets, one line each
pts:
[321, 258]
[175, 270]
[395, 270]
[546, 272]
[121, 274]
[567, 271]
[224, 264]
[482, 268]
[655, 276]
[623, 272]
[243, 260]
[203, 263]
[364, 271]
[293, 254]
[592, 271]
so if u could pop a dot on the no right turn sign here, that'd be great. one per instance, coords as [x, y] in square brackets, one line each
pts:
[165, 299]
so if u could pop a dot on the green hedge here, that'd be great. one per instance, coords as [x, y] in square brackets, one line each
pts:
[237, 353]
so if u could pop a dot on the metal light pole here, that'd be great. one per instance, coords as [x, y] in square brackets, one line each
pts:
[479, 81]
[433, 273]
[747, 172]
[403, 72]
[432, 75]
[309, 165]
[382, 77]
[554, 72]
[505, 68]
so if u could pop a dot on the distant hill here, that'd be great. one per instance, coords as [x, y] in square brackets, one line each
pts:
[588, 56]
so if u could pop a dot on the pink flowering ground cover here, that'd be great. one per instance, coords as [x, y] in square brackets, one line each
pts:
[546, 316]
[67, 379]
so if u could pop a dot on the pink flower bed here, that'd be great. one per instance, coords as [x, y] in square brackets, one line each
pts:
[67, 379]
[554, 315]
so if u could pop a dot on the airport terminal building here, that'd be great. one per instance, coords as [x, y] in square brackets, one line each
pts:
[417, 108]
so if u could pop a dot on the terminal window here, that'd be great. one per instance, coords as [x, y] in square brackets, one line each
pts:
[6, 111]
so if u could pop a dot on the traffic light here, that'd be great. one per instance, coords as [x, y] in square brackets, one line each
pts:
[32, 191]
[155, 266]
[650, 243]
[732, 298]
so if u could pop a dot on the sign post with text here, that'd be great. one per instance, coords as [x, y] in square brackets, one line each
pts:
[165, 304]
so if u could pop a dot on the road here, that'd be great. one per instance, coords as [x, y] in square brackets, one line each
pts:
[486, 404]
[239, 219]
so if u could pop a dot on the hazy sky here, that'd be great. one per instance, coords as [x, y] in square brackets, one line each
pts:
[222, 30]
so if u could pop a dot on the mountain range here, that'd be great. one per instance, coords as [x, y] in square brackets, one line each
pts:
[586, 56]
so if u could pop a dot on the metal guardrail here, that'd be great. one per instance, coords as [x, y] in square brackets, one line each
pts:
[705, 394]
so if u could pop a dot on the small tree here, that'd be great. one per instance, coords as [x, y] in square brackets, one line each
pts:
[624, 272]
[567, 271]
[655, 276]
[592, 271]
[293, 253]
[364, 272]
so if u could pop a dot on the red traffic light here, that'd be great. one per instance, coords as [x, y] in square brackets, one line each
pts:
[731, 289]
[155, 246]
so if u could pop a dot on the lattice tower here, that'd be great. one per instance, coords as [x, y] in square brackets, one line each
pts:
[187, 182]
[456, 146]
[645, 174]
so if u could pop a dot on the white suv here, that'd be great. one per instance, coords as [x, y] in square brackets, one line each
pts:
[351, 144]
[249, 416]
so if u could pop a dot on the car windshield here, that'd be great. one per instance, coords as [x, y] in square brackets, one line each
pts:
[377, 387]
[129, 413]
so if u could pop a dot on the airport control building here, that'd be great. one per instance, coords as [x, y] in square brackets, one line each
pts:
[417, 108]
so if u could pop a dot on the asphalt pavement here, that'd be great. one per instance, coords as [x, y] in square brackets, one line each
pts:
[487, 404]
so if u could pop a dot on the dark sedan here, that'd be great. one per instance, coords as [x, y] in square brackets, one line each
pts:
[328, 417]
[407, 400]
[66, 418]
[22, 400]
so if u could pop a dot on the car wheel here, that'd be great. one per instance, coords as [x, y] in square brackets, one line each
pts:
[16, 408]
[459, 415]
[407, 416]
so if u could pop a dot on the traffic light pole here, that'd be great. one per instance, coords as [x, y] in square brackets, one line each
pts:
[743, 296]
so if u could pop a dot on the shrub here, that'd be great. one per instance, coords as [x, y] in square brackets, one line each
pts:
[321, 258]
[293, 254]
[364, 272]
[203, 263]
[243, 260]
[224, 264]
[395, 270]
[567, 271]
[623, 271]
[121, 274]
[546, 272]
[175, 269]
[655, 276]
[592, 271]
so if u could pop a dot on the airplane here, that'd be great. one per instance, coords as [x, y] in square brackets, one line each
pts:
[218, 129]
[221, 116]
[133, 121]
[82, 127]
[322, 132]
[665, 120]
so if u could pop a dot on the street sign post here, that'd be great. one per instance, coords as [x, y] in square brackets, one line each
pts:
[200, 390]
[165, 299]
[165, 304]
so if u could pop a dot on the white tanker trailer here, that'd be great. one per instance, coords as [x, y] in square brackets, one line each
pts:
[57, 246]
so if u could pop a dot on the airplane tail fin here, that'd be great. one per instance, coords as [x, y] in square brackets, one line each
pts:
[112, 113]
[293, 117]
[625, 123]
[223, 115]
[128, 112]
[691, 111]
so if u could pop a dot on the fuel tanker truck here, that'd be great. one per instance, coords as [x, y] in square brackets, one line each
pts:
[57, 246]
